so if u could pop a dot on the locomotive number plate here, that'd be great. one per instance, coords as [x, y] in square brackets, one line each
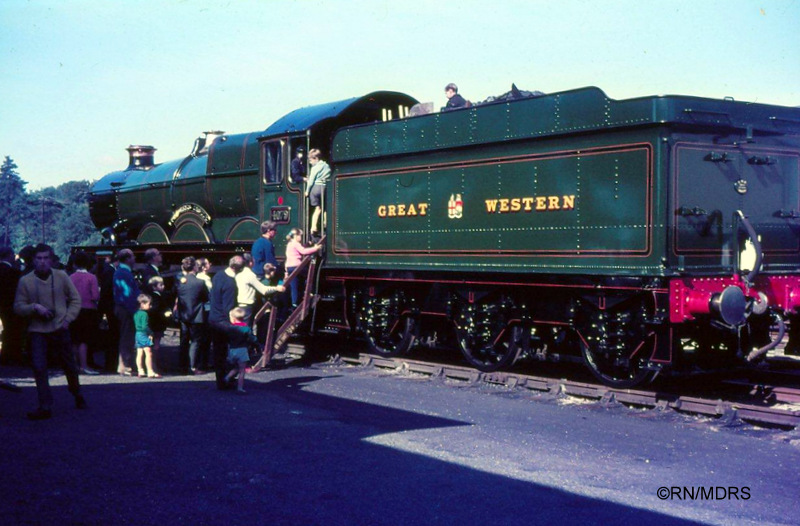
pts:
[280, 214]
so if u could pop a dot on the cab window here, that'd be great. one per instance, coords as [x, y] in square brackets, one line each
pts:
[273, 156]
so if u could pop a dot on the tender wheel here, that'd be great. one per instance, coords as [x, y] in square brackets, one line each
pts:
[492, 353]
[488, 335]
[615, 343]
[396, 341]
[621, 368]
[389, 328]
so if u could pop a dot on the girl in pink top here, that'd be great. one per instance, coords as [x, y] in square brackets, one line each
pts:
[294, 256]
[85, 325]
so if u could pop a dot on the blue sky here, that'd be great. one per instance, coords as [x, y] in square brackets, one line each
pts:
[83, 79]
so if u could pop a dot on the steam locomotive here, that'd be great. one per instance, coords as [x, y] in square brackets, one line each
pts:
[637, 236]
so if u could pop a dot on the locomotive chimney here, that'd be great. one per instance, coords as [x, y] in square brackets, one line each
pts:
[140, 157]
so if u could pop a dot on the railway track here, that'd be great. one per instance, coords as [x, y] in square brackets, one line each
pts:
[740, 400]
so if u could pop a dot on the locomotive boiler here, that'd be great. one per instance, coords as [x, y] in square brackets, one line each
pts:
[635, 235]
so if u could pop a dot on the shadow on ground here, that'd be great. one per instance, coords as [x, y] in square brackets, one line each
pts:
[177, 451]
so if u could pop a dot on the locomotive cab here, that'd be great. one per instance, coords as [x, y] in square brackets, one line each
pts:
[284, 199]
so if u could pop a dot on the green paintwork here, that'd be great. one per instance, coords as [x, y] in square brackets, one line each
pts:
[568, 113]
[764, 192]
[152, 234]
[625, 169]
[615, 157]
[189, 232]
[242, 230]
[524, 207]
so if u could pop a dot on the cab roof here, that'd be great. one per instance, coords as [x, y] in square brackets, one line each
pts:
[304, 119]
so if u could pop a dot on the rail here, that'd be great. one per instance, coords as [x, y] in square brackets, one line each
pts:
[728, 411]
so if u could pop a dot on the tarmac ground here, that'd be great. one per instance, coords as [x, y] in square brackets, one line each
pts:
[337, 444]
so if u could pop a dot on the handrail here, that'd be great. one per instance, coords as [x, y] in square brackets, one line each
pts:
[756, 245]
[294, 319]
[303, 264]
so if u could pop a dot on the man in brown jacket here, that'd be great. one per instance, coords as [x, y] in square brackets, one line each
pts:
[50, 301]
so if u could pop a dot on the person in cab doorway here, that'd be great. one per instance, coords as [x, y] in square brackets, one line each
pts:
[298, 167]
[315, 189]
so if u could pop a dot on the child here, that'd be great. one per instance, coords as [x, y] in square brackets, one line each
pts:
[271, 276]
[144, 337]
[240, 337]
[274, 284]
[270, 279]
[294, 256]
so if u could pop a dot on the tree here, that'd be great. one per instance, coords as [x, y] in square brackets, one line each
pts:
[63, 217]
[58, 216]
[13, 199]
[75, 227]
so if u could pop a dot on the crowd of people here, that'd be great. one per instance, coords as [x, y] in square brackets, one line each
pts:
[46, 307]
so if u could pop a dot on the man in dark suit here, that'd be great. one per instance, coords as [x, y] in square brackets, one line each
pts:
[191, 294]
[13, 325]
[222, 300]
[153, 260]
[105, 276]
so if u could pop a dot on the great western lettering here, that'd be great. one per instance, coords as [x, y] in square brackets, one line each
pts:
[403, 210]
[540, 203]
